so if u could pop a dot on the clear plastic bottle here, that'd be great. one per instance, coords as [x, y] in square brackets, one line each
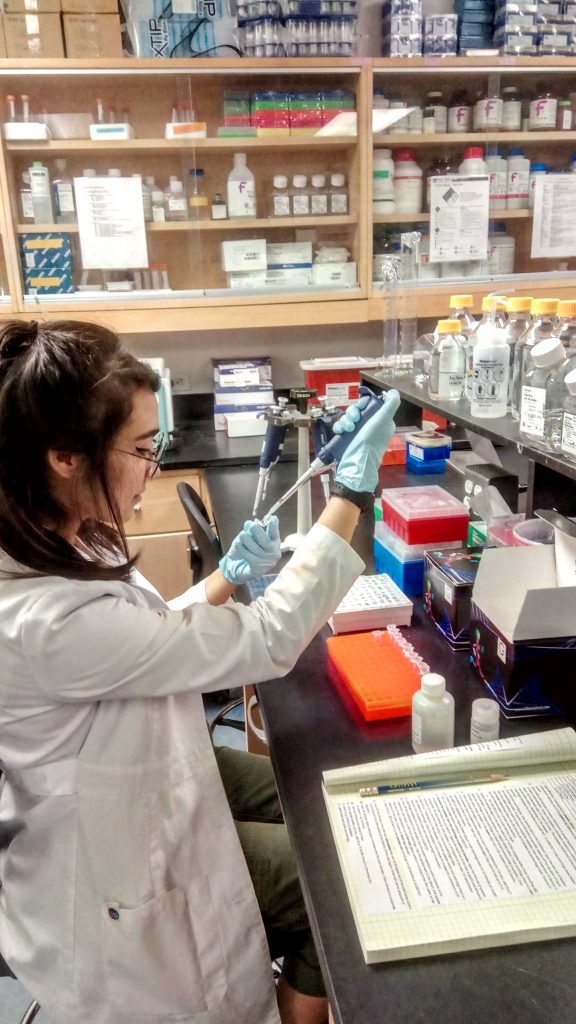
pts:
[567, 325]
[176, 203]
[519, 320]
[25, 193]
[241, 189]
[63, 195]
[568, 444]
[487, 321]
[198, 208]
[383, 181]
[279, 205]
[460, 309]
[490, 370]
[338, 195]
[543, 324]
[432, 715]
[319, 196]
[41, 195]
[484, 720]
[407, 182]
[158, 206]
[518, 180]
[300, 196]
[447, 362]
[146, 198]
[435, 99]
[547, 357]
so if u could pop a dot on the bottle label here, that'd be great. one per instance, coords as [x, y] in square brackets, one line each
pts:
[416, 728]
[320, 204]
[158, 214]
[177, 204]
[27, 207]
[339, 202]
[532, 410]
[218, 211]
[569, 433]
[497, 185]
[64, 198]
[566, 120]
[459, 119]
[490, 380]
[197, 202]
[281, 206]
[512, 115]
[489, 113]
[301, 205]
[543, 113]
[440, 119]
[517, 187]
[241, 199]
[450, 383]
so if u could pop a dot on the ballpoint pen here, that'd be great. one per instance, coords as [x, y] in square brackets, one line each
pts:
[405, 787]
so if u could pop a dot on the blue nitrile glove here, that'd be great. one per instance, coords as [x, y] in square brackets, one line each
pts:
[359, 465]
[254, 552]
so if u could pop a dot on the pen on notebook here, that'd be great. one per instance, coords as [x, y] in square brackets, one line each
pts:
[404, 787]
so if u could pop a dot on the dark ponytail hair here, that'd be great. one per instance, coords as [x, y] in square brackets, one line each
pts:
[68, 386]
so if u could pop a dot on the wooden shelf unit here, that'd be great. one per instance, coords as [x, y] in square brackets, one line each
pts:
[191, 247]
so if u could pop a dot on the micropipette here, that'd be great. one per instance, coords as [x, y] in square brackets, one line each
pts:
[331, 452]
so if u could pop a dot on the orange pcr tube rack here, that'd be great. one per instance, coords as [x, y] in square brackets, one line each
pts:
[381, 671]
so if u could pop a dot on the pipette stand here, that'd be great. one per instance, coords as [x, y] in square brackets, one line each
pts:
[304, 498]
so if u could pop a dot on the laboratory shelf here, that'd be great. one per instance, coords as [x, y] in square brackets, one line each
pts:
[421, 218]
[409, 139]
[506, 65]
[503, 430]
[183, 145]
[229, 224]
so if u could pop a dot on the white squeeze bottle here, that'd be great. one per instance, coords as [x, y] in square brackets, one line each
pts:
[241, 189]
[517, 181]
[432, 715]
[472, 340]
[383, 181]
[490, 369]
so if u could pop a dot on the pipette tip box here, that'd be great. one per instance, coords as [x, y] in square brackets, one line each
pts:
[371, 603]
[375, 672]
[424, 515]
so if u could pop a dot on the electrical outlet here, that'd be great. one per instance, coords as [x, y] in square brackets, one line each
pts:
[180, 383]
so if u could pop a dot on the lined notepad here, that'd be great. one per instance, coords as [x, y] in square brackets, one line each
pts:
[436, 871]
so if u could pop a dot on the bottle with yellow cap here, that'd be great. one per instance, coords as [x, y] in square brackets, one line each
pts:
[519, 320]
[448, 361]
[491, 369]
[567, 320]
[461, 309]
[486, 322]
[544, 325]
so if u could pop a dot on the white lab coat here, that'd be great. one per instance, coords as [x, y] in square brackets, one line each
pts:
[125, 896]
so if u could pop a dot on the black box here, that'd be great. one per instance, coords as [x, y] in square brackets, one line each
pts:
[448, 580]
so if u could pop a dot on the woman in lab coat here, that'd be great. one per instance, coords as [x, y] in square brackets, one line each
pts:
[125, 896]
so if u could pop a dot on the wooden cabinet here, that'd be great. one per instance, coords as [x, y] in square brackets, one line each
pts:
[200, 296]
[159, 532]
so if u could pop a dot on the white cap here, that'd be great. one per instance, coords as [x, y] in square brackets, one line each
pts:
[176, 186]
[114, 172]
[385, 152]
[240, 158]
[570, 382]
[158, 196]
[280, 181]
[318, 180]
[433, 685]
[548, 352]
[299, 181]
[89, 172]
[149, 180]
[337, 180]
[485, 711]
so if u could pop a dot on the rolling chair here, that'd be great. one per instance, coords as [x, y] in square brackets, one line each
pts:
[6, 836]
[205, 552]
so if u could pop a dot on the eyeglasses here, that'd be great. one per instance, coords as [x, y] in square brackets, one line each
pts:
[155, 456]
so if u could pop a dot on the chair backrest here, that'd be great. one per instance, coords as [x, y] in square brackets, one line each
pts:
[205, 549]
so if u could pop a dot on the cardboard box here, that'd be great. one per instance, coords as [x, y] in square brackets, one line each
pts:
[524, 632]
[448, 581]
[221, 412]
[2, 38]
[32, 6]
[342, 275]
[243, 373]
[48, 281]
[244, 254]
[280, 255]
[39, 250]
[33, 35]
[245, 424]
[87, 6]
[92, 35]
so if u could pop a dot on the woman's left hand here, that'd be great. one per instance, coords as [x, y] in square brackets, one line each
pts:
[254, 552]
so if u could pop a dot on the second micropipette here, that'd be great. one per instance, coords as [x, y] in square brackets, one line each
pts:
[332, 452]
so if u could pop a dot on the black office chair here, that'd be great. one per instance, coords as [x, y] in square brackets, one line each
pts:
[6, 836]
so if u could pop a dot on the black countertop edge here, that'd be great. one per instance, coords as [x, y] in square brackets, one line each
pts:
[196, 445]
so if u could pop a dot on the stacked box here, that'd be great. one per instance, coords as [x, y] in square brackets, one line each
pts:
[402, 23]
[46, 263]
[270, 113]
[441, 35]
[516, 28]
[327, 35]
[262, 37]
[236, 109]
[448, 580]
[241, 386]
[306, 113]
[335, 101]
[475, 26]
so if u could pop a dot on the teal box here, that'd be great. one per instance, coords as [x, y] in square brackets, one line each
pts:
[41, 250]
[48, 281]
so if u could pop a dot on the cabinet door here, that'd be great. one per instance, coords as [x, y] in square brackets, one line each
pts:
[163, 559]
[161, 510]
